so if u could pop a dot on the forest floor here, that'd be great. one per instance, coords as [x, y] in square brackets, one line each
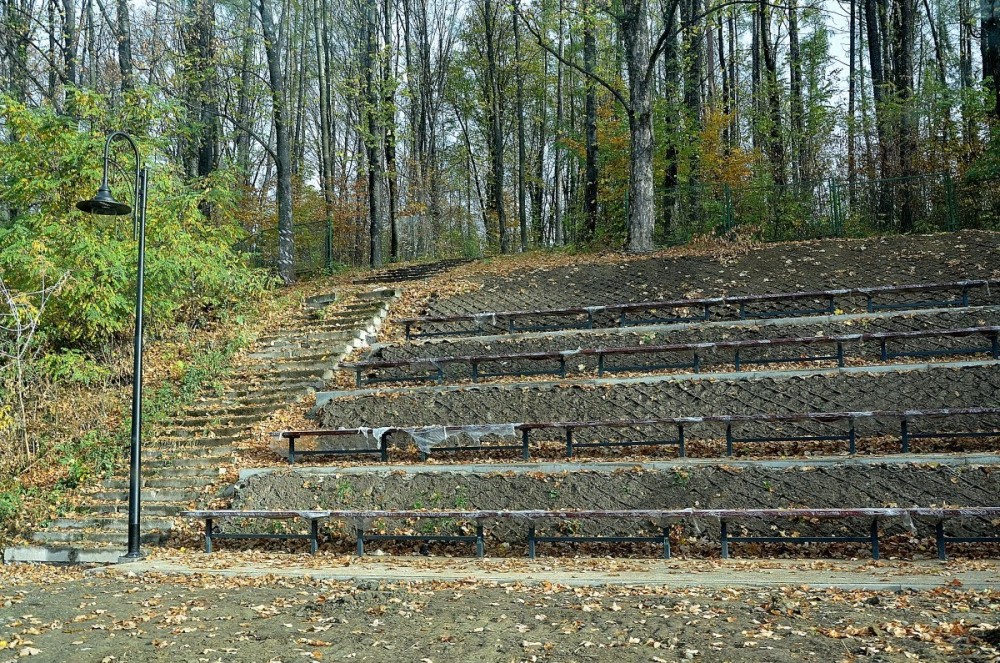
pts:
[67, 614]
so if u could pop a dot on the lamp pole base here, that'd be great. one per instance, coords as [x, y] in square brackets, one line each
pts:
[131, 557]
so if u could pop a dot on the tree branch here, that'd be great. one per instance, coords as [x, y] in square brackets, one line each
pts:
[591, 75]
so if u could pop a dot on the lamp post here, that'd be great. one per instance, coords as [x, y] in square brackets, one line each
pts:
[105, 204]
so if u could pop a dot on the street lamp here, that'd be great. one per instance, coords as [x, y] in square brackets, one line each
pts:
[105, 204]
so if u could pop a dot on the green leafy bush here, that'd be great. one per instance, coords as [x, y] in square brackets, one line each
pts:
[50, 162]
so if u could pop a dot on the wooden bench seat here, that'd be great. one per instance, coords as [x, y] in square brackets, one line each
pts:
[361, 521]
[583, 317]
[696, 350]
[680, 425]
[210, 516]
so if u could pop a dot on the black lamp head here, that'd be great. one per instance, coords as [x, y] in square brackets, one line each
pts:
[104, 203]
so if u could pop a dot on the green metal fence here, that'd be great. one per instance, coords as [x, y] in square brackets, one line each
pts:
[805, 210]
[317, 249]
[829, 208]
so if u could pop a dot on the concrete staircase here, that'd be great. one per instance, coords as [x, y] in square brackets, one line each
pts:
[183, 464]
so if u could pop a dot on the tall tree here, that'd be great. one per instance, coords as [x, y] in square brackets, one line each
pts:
[282, 154]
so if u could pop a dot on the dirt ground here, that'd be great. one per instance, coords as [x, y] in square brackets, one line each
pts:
[786, 267]
[154, 617]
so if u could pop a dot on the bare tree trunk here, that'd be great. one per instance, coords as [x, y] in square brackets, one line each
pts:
[491, 13]
[557, 177]
[590, 65]
[371, 147]
[389, 114]
[970, 134]
[327, 140]
[775, 143]
[800, 161]
[283, 155]
[904, 32]
[990, 48]
[673, 127]
[243, 103]
[641, 218]
[522, 211]
[123, 35]
[851, 94]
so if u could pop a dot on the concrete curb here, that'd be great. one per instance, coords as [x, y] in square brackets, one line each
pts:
[920, 576]
[324, 397]
[610, 468]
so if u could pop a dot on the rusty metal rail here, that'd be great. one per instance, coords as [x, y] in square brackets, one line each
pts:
[682, 425]
[361, 520]
[740, 306]
[696, 351]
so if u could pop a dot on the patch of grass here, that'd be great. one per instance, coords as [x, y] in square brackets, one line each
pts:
[344, 491]
[461, 497]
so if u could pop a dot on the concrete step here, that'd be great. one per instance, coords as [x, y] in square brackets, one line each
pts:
[279, 355]
[298, 368]
[340, 332]
[191, 449]
[76, 536]
[115, 522]
[270, 386]
[165, 509]
[381, 294]
[207, 472]
[321, 301]
[172, 495]
[272, 376]
[192, 482]
[220, 420]
[234, 408]
[202, 432]
[179, 464]
[64, 554]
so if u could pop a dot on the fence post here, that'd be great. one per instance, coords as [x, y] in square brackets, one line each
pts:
[328, 246]
[949, 190]
[728, 220]
[837, 221]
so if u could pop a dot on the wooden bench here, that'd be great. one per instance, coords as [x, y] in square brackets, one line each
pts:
[361, 521]
[584, 317]
[730, 423]
[210, 516]
[697, 350]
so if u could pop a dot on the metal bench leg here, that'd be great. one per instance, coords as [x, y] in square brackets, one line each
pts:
[939, 538]
[313, 535]
[724, 537]
[666, 543]
[729, 439]
[531, 542]
[480, 545]
[569, 442]
[361, 542]
[853, 439]
[208, 535]
[874, 538]
[383, 444]
[904, 436]
[291, 451]
[525, 453]
[680, 441]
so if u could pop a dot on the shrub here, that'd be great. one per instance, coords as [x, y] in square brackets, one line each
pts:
[191, 271]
